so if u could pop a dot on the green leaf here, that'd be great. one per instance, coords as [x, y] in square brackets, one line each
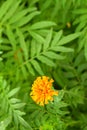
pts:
[13, 92]
[26, 19]
[4, 123]
[15, 117]
[11, 11]
[80, 11]
[82, 67]
[83, 18]
[11, 37]
[33, 48]
[24, 123]
[46, 4]
[83, 77]
[38, 48]
[14, 100]
[22, 64]
[59, 78]
[37, 122]
[19, 15]
[48, 39]
[37, 37]
[24, 71]
[32, 3]
[57, 37]
[20, 113]
[62, 49]
[46, 60]
[30, 68]
[4, 8]
[78, 59]
[18, 105]
[60, 97]
[53, 55]
[70, 75]
[37, 67]
[68, 38]
[81, 26]
[5, 48]
[8, 54]
[23, 43]
[42, 24]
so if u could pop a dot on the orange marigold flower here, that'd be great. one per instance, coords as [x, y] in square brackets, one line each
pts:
[42, 91]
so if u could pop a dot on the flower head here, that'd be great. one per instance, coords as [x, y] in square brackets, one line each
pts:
[42, 91]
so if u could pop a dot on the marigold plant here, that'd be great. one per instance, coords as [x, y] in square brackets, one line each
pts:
[42, 91]
[43, 37]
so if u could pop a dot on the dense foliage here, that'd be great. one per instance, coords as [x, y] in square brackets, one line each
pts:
[39, 38]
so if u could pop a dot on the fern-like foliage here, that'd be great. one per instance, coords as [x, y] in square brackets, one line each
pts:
[39, 37]
[48, 51]
[72, 77]
[17, 30]
[81, 21]
[10, 106]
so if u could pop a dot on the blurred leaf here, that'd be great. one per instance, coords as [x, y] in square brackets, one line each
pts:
[13, 92]
[42, 24]
[37, 67]
[68, 38]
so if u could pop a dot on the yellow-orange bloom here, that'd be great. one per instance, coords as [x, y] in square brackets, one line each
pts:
[42, 91]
